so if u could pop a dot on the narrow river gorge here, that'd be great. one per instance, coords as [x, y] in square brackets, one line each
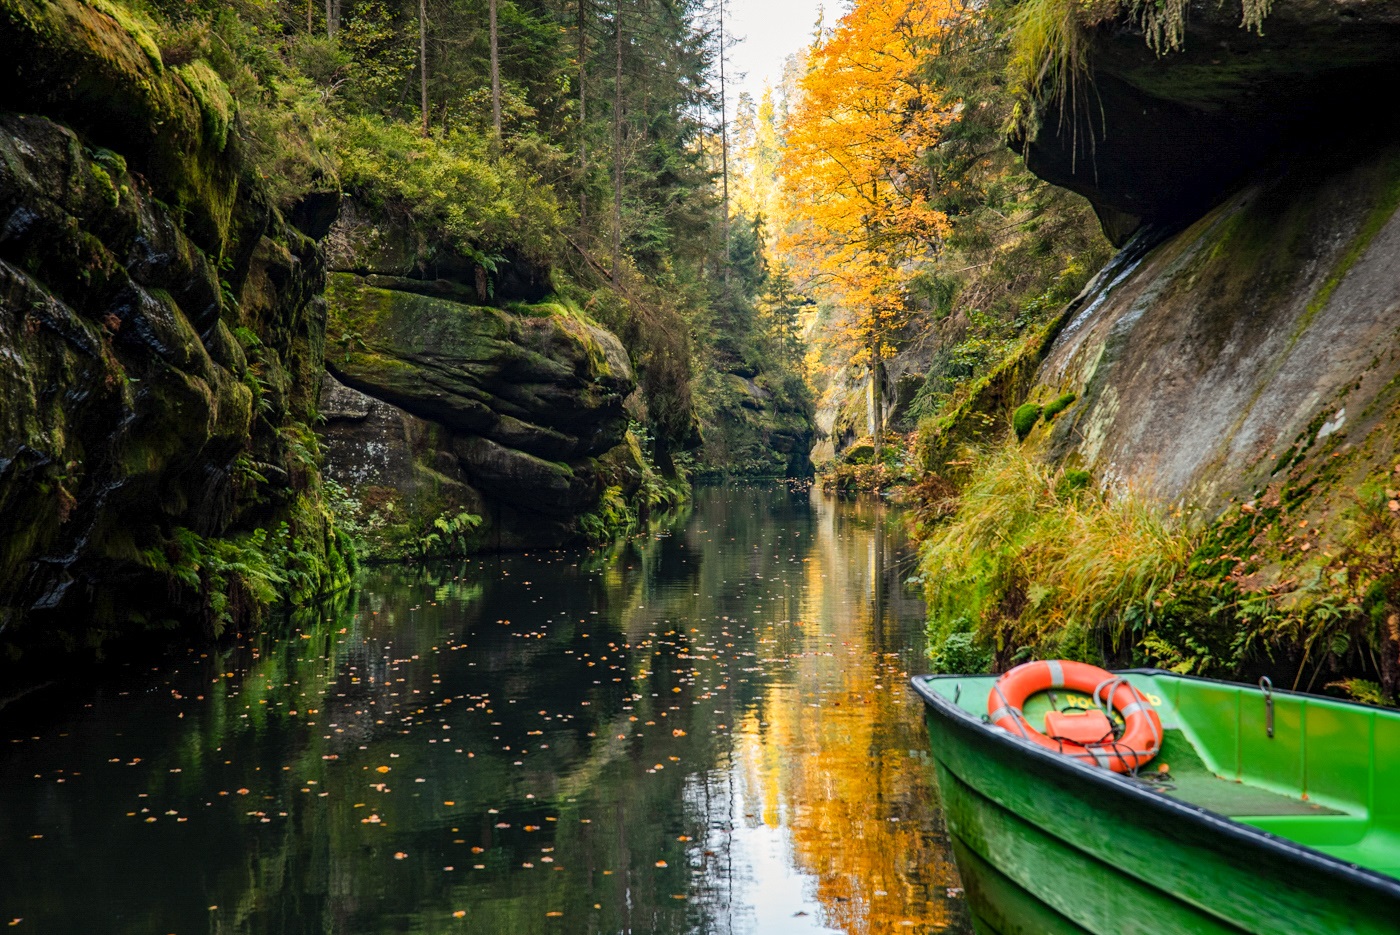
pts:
[707, 729]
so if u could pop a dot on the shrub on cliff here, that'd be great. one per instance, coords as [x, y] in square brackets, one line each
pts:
[450, 183]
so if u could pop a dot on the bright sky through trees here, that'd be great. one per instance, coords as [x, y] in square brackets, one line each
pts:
[771, 30]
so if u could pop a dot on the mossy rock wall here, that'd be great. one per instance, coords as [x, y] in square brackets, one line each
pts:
[761, 424]
[92, 66]
[502, 413]
[1160, 138]
[161, 338]
[1257, 347]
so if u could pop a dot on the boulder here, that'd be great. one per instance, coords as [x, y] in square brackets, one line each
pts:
[1260, 338]
[517, 405]
[540, 379]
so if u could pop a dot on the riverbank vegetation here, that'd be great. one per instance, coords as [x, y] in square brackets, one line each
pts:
[1029, 560]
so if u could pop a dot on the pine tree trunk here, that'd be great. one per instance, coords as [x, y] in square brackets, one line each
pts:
[583, 112]
[495, 76]
[724, 143]
[423, 62]
[617, 147]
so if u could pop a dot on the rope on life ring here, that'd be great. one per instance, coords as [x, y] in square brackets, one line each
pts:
[1142, 728]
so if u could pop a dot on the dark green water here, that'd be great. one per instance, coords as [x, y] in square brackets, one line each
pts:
[706, 730]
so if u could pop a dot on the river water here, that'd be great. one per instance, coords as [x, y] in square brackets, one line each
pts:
[708, 729]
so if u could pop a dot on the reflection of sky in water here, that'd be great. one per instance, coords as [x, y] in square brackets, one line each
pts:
[706, 730]
[777, 897]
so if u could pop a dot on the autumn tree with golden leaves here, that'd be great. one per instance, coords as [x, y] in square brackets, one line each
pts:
[857, 189]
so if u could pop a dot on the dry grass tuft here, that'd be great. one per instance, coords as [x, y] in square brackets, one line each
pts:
[1033, 559]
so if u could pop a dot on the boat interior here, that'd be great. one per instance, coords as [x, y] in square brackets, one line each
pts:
[1320, 772]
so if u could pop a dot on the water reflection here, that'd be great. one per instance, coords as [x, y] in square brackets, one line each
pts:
[707, 730]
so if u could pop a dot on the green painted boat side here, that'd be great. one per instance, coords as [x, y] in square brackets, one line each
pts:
[1048, 844]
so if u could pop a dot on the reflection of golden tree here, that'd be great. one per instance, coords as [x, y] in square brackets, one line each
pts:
[834, 764]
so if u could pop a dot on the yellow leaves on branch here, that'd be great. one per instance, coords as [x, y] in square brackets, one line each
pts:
[854, 170]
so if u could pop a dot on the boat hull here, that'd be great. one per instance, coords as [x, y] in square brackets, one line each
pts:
[1049, 845]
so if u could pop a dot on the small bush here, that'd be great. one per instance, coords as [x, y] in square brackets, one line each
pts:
[960, 654]
[450, 184]
[1073, 479]
[1024, 419]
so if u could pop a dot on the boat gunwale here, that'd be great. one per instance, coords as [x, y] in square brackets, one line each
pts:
[1112, 782]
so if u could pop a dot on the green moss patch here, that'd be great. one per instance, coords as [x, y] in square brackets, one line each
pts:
[215, 102]
[1024, 419]
[1058, 405]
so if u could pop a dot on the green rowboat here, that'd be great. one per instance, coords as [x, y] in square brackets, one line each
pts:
[1277, 812]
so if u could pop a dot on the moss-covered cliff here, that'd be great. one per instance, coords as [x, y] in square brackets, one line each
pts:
[449, 407]
[161, 337]
[1195, 465]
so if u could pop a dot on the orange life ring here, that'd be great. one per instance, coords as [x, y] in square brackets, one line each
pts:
[1142, 731]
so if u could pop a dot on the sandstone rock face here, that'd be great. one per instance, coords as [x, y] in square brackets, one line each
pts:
[514, 405]
[758, 430]
[157, 364]
[1161, 138]
[366, 240]
[1263, 337]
